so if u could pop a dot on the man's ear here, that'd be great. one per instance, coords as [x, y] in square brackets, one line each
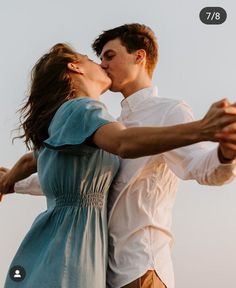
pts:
[74, 67]
[140, 55]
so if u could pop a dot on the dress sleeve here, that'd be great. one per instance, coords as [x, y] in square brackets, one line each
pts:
[74, 122]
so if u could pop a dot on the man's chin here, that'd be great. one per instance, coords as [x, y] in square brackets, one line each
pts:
[114, 88]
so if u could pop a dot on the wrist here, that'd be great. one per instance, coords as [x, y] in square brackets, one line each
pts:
[7, 184]
[199, 131]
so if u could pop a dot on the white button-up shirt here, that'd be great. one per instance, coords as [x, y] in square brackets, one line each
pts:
[143, 193]
[142, 196]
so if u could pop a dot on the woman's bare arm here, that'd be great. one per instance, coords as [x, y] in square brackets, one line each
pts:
[142, 141]
[23, 168]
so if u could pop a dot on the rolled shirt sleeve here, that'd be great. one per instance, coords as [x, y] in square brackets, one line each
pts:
[29, 186]
[196, 161]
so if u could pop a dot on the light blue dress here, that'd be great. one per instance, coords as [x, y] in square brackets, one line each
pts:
[66, 246]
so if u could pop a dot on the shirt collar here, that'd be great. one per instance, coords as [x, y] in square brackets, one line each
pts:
[135, 99]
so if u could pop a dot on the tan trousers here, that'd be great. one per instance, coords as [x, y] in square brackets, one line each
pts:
[148, 280]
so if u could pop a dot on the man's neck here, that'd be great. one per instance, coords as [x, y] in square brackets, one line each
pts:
[135, 87]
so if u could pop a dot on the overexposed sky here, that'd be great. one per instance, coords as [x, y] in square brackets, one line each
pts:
[197, 64]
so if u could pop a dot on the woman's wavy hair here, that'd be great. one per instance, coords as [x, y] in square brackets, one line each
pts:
[50, 87]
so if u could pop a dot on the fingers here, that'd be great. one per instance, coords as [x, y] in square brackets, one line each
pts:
[223, 124]
[230, 146]
[230, 110]
[2, 174]
[230, 128]
[228, 150]
[226, 138]
[221, 104]
[228, 134]
[4, 169]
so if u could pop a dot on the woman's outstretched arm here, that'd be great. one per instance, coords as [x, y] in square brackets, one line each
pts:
[142, 141]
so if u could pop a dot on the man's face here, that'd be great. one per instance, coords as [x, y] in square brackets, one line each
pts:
[119, 65]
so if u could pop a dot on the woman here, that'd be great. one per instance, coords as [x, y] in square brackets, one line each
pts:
[75, 142]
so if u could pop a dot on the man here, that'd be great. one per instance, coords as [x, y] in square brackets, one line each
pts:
[142, 196]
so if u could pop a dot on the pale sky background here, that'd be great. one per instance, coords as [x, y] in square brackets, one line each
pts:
[197, 64]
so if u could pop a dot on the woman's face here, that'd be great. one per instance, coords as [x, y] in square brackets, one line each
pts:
[94, 72]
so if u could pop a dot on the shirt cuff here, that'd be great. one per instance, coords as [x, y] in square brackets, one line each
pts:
[230, 165]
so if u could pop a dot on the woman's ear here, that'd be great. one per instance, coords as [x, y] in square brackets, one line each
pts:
[140, 55]
[74, 67]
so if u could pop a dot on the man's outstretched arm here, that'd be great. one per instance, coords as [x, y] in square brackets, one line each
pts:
[207, 166]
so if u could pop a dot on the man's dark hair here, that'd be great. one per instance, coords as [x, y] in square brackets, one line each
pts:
[133, 36]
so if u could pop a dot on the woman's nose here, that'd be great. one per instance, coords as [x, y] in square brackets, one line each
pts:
[103, 65]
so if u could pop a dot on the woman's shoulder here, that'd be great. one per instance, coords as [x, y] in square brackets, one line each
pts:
[75, 121]
[82, 103]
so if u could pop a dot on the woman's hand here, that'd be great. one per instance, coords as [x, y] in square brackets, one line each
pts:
[5, 186]
[220, 115]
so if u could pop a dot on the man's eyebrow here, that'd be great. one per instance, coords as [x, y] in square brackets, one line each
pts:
[105, 53]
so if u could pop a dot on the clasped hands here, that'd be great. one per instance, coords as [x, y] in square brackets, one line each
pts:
[4, 189]
[227, 136]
